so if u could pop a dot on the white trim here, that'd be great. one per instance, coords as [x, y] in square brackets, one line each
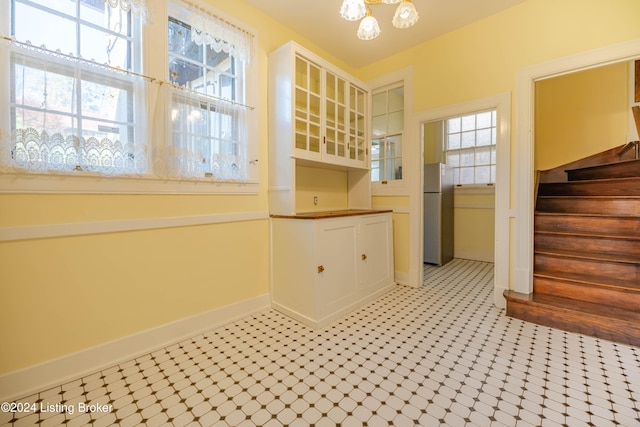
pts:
[402, 278]
[473, 206]
[502, 102]
[475, 189]
[321, 323]
[26, 232]
[474, 256]
[397, 186]
[39, 377]
[524, 153]
[71, 184]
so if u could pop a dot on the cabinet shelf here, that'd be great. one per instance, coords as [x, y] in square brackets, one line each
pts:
[318, 118]
[322, 265]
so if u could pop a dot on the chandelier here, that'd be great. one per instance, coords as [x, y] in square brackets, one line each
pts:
[353, 10]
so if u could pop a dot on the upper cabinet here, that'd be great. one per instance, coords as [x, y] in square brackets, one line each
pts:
[318, 119]
[318, 110]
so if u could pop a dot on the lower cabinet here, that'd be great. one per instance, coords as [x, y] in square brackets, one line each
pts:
[325, 268]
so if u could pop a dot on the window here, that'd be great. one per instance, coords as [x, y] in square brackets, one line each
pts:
[208, 118]
[387, 126]
[67, 114]
[470, 147]
[77, 105]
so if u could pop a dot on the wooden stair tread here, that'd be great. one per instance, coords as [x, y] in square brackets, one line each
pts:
[596, 235]
[568, 304]
[620, 169]
[618, 283]
[590, 255]
[585, 215]
[593, 319]
[622, 187]
[586, 275]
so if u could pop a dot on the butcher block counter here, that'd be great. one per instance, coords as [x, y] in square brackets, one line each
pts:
[330, 263]
[332, 214]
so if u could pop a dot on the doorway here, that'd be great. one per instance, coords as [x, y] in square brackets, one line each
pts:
[500, 204]
[524, 172]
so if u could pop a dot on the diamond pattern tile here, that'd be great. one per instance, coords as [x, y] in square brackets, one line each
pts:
[441, 354]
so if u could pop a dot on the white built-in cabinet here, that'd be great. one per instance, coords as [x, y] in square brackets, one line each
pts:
[318, 117]
[325, 267]
[323, 264]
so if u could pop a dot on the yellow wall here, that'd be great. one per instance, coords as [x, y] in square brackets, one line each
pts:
[62, 295]
[474, 226]
[581, 114]
[400, 228]
[483, 59]
[329, 186]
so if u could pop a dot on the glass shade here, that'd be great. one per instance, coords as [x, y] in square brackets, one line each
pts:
[353, 10]
[406, 15]
[369, 28]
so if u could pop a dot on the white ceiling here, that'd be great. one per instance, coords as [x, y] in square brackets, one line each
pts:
[320, 22]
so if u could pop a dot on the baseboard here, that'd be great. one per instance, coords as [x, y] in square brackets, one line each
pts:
[327, 320]
[402, 278]
[32, 379]
[498, 298]
[475, 255]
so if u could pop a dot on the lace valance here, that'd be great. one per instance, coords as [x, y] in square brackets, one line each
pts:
[137, 7]
[219, 34]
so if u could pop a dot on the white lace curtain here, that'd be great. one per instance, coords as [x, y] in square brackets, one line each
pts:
[50, 134]
[137, 7]
[222, 36]
[203, 137]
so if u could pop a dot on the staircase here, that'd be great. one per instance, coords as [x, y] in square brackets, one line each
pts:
[586, 275]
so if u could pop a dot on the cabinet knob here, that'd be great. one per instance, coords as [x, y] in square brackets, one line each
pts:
[364, 256]
[320, 268]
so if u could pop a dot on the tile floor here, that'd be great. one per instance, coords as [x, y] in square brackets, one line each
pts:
[438, 355]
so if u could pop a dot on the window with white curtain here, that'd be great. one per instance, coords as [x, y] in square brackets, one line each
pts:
[71, 107]
[75, 102]
[206, 66]
[470, 147]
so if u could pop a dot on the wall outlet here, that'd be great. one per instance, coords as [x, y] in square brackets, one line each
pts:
[315, 200]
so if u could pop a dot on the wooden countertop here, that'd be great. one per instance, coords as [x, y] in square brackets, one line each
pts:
[333, 214]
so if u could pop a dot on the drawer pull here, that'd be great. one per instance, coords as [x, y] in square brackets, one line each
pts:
[364, 256]
[320, 268]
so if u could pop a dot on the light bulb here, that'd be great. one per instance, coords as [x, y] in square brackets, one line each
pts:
[369, 28]
[406, 15]
[352, 10]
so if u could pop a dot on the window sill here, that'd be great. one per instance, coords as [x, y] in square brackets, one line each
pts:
[31, 183]
[396, 187]
[475, 189]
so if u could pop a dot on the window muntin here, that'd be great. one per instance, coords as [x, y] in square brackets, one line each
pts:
[200, 67]
[37, 150]
[86, 29]
[387, 131]
[208, 122]
[68, 114]
[470, 147]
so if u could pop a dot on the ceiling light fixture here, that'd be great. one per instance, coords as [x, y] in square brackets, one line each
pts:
[353, 10]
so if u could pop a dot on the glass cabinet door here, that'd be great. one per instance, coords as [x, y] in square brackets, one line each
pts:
[307, 106]
[357, 112]
[335, 115]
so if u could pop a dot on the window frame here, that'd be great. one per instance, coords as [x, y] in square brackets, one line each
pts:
[493, 147]
[397, 187]
[386, 138]
[154, 37]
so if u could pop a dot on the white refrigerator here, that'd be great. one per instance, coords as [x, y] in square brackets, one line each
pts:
[438, 213]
